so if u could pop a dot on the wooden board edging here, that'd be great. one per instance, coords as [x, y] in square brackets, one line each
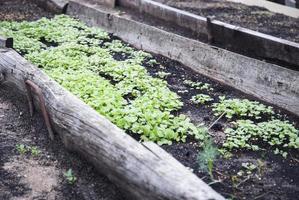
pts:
[6, 42]
[139, 169]
[251, 43]
[268, 82]
[56, 6]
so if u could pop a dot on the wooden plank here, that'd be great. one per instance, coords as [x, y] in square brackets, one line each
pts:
[226, 36]
[269, 82]
[139, 170]
[258, 44]
[108, 3]
[271, 6]
[6, 42]
[178, 17]
[56, 6]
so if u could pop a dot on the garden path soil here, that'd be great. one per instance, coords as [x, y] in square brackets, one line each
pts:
[42, 176]
[251, 17]
[19, 10]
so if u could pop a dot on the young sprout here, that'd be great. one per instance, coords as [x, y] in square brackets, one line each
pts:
[21, 148]
[70, 177]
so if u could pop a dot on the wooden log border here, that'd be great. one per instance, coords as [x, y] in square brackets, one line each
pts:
[6, 42]
[143, 170]
[55, 6]
[268, 82]
[234, 38]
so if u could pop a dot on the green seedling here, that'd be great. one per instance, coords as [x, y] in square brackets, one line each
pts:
[241, 108]
[34, 151]
[70, 177]
[162, 74]
[261, 167]
[207, 157]
[249, 167]
[244, 135]
[21, 148]
[198, 85]
[201, 99]
[235, 181]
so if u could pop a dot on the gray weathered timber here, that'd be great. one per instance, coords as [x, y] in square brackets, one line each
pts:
[108, 3]
[269, 82]
[258, 44]
[178, 17]
[145, 171]
[56, 6]
[225, 35]
[6, 42]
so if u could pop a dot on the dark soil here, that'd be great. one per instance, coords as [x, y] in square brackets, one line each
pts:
[276, 178]
[18, 10]
[251, 17]
[42, 176]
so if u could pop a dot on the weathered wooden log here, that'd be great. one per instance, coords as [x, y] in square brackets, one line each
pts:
[144, 170]
[6, 42]
[108, 3]
[56, 6]
[234, 38]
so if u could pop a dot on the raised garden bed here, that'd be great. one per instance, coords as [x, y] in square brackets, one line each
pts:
[112, 152]
[217, 32]
[127, 86]
[251, 17]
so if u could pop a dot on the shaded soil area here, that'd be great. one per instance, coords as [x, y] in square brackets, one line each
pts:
[251, 17]
[19, 10]
[41, 176]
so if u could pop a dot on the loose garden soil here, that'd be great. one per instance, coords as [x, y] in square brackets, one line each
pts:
[19, 10]
[23, 176]
[279, 178]
[275, 177]
[251, 17]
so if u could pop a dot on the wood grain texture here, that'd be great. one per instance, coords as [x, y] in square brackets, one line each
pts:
[6, 42]
[56, 6]
[145, 171]
[227, 36]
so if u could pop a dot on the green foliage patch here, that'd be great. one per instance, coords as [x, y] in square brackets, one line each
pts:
[201, 99]
[276, 133]
[198, 85]
[81, 59]
[241, 108]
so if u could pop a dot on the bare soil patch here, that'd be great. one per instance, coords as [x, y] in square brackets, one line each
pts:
[23, 176]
